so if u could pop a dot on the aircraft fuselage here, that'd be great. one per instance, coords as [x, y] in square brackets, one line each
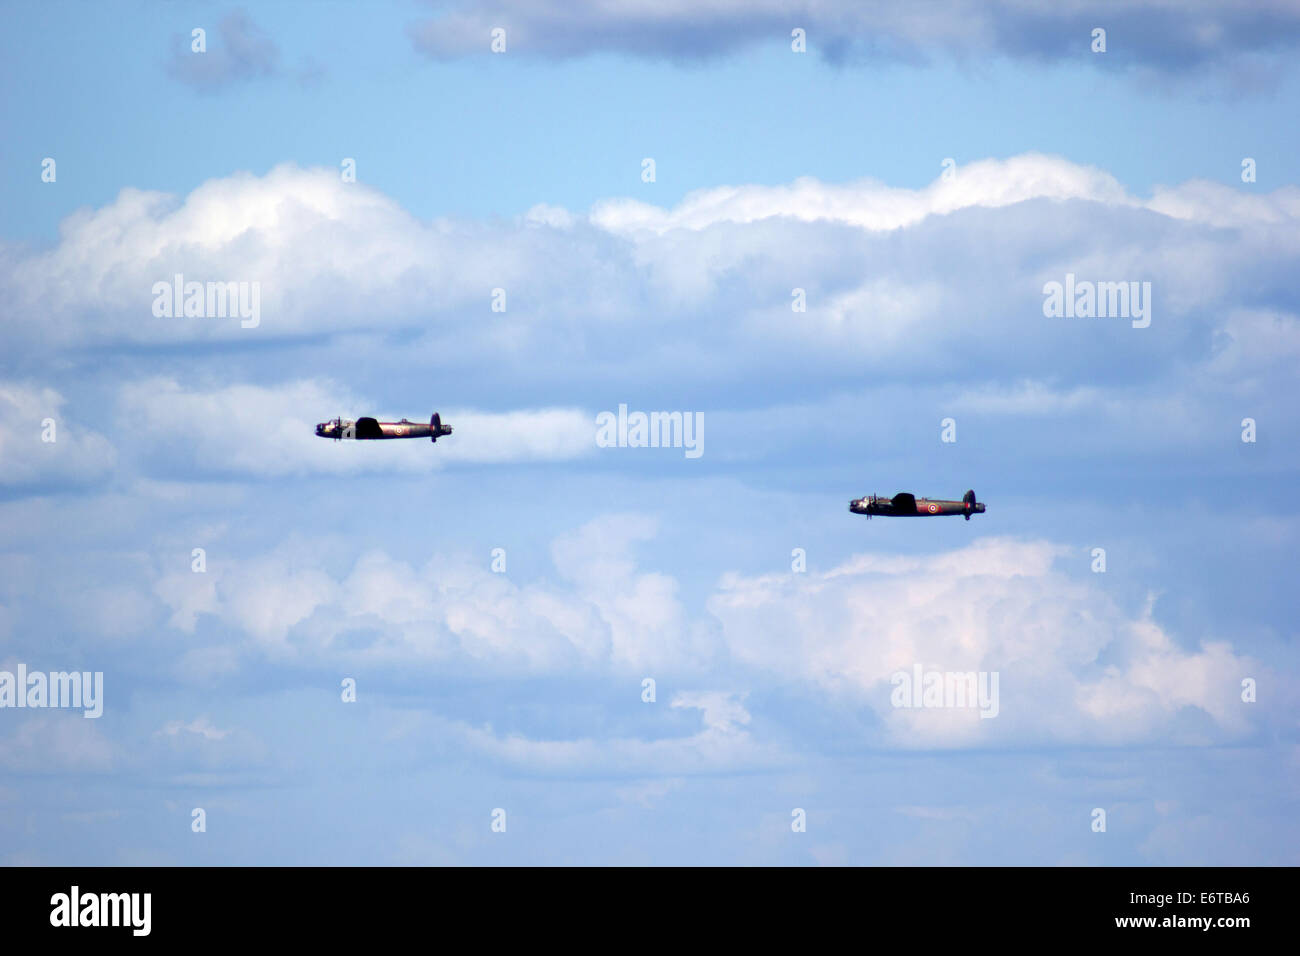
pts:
[369, 429]
[905, 505]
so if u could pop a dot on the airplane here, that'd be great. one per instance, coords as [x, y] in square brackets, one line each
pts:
[369, 429]
[904, 505]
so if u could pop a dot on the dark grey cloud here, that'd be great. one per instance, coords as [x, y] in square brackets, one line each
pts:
[1169, 38]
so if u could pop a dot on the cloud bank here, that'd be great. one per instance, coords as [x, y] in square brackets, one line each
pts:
[1173, 38]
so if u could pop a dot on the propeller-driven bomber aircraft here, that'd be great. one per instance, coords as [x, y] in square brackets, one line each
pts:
[905, 505]
[369, 429]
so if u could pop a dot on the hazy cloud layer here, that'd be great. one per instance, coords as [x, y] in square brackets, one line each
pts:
[268, 431]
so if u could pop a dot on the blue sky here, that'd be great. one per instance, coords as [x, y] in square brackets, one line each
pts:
[522, 690]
